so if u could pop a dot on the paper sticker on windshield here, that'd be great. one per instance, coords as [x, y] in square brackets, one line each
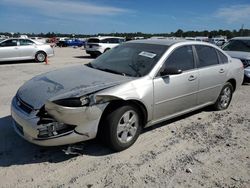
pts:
[147, 54]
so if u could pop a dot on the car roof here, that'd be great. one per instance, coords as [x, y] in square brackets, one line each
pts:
[105, 37]
[20, 39]
[241, 38]
[167, 42]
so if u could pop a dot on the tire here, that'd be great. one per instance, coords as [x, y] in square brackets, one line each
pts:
[118, 134]
[93, 55]
[225, 97]
[40, 56]
[106, 50]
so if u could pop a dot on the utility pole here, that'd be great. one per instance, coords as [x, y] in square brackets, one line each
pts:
[241, 30]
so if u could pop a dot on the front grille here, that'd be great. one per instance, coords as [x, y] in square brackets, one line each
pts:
[23, 105]
[245, 62]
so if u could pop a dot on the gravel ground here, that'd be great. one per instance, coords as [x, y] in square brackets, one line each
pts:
[201, 149]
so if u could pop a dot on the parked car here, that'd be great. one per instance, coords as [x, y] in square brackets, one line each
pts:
[70, 42]
[239, 47]
[75, 42]
[135, 85]
[24, 49]
[98, 45]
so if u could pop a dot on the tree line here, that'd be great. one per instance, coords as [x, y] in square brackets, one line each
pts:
[179, 33]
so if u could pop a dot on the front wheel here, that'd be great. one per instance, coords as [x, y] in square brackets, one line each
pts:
[225, 97]
[123, 127]
[40, 56]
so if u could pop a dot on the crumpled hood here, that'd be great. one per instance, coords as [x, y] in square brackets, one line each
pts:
[239, 55]
[65, 83]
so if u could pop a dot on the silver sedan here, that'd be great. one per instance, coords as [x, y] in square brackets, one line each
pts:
[24, 49]
[135, 85]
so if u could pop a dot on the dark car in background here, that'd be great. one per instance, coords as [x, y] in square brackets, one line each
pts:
[71, 42]
[239, 47]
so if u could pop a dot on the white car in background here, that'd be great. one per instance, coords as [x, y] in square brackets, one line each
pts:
[15, 49]
[98, 45]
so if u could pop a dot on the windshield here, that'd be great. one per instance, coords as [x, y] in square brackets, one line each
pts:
[237, 45]
[130, 59]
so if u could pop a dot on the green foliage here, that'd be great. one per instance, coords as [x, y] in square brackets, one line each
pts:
[178, 33]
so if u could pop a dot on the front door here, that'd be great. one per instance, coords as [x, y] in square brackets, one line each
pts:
[9, 50]
[176, 93]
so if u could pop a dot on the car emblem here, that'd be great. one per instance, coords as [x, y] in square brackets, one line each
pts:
[18, 103]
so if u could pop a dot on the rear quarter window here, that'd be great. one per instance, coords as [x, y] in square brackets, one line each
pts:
[222, 57]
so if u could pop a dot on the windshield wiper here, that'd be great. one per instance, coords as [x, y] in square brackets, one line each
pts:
[111, 71]
[89, 65]
[135, 69]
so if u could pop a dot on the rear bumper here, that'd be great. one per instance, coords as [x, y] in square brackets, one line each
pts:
[96, 52]
[50, 52]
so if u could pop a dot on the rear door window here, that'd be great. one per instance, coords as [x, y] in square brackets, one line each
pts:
[207, 56]
[114, 40]
[105, 41]
[25, 42]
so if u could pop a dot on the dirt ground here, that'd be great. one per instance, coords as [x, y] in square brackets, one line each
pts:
[201, 149]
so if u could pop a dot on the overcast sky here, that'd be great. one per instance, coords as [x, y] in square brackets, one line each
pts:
[96, 16]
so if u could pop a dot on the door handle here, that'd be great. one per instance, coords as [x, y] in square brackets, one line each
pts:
[191, 78]
[221, 71]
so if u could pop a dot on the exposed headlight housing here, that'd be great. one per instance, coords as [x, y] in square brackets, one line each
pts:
[73, 102]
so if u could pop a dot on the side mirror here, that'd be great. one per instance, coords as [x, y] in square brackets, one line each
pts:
[170, 71]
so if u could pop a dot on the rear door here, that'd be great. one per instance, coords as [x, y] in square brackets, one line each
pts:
[212, 74]
[27, 48]
[9, 50]
[176, 93]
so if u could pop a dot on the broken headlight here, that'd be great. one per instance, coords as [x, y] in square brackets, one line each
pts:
[73, 102]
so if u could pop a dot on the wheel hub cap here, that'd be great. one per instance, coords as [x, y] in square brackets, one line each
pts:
[127, 126]
[225, 97]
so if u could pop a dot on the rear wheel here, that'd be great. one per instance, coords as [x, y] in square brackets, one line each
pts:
[40, 56]
[225, 97]
[123, 126]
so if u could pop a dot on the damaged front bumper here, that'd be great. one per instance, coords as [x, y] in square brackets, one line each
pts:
[64, 125]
